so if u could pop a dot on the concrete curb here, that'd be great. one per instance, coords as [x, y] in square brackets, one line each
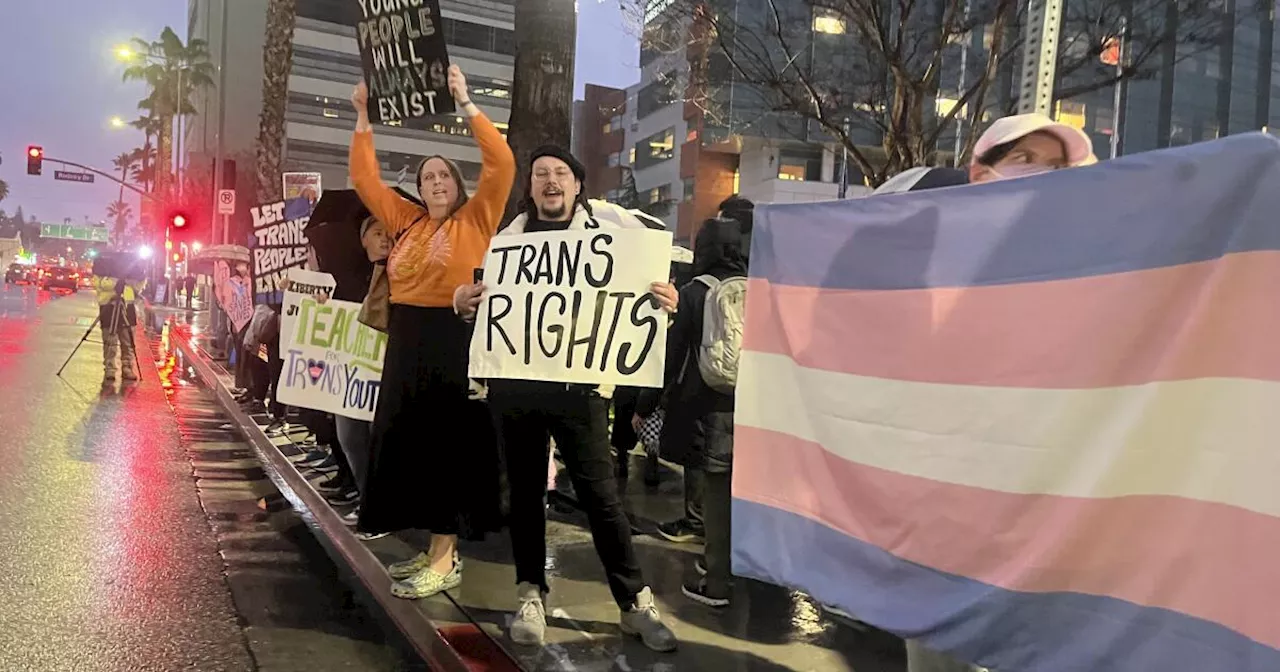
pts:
[422, 634]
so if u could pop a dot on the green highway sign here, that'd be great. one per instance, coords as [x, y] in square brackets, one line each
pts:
[93, 234]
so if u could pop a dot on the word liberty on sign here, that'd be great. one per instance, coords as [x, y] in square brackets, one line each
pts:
[404, 58]
[573, 307]
[332, 362]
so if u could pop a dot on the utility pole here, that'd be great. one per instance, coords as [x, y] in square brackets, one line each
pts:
[1040, 56]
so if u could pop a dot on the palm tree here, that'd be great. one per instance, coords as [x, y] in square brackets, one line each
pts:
[123, 163]
[277, 60]
[145, 155]
[173, 71]
[119, 212]
[542, 90]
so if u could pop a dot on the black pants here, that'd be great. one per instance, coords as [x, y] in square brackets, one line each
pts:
[717, 503]
[578, 420]
[623, 438]
[275, 364]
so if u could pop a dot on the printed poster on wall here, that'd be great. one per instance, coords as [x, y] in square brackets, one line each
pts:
[302, 185]
[404, 59]
[573, 307]
[332, 362]
[279, 244]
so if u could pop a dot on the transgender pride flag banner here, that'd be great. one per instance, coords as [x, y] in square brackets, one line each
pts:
[1034, 424]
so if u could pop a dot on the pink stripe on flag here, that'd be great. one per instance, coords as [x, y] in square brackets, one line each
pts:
[1226, 557]
[1217, 318]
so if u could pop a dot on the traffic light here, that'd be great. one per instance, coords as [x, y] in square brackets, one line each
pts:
[35, 160]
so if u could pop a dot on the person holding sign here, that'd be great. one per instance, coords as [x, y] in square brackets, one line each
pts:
[418, 477]
[577, 415]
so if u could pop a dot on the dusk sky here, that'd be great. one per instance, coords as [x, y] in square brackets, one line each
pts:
[62, 86]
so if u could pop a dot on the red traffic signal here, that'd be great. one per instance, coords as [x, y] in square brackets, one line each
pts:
[178, 221]
[35, 160]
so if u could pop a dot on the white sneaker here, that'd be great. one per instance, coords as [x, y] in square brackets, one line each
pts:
[529, 627]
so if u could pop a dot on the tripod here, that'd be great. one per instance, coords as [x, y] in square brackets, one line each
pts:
[115, 318]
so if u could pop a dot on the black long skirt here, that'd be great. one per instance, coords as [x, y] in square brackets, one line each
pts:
[434, 458]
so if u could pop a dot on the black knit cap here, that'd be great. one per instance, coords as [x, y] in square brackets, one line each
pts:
[558, 152]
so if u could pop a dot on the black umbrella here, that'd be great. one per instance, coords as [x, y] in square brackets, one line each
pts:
[334, 231]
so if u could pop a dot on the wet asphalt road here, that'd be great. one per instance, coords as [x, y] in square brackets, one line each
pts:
[132, 538]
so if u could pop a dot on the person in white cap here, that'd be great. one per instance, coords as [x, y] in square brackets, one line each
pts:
[1027, 144]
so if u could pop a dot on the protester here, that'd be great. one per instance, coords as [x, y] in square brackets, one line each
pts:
[117, 318]
[420, 477]
[355, 436]
[1027, 144]
[697, 431]
[532, 412]
[1015, 146]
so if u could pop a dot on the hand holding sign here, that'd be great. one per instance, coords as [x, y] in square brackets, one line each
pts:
[458, 85]
[360, 97]
[466, 300]
[667, 295]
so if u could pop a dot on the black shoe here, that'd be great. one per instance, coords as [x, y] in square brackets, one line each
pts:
[334, 485]
[328, 466]
[314, 458]
[344, 498]
[697, 591]
[681, 531]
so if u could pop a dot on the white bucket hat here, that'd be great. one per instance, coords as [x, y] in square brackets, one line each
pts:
[1009, 129]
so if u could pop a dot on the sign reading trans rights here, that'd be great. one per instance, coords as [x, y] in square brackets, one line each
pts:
[404, 59]
[332, 362]
[573, 307]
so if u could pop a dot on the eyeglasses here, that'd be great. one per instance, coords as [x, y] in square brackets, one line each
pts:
[544, 175]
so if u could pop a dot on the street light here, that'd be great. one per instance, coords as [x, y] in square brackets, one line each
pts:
[196, 246]
[125, 53]
[117, 122]
[144, 252]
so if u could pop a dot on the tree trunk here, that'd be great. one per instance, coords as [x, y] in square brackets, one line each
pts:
[164, 155]
[542, 93]
[277, 59]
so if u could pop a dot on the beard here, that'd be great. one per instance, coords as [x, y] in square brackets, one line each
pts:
[553, 214]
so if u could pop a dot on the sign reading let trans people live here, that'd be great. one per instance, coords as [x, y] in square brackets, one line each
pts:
[404, 58]
[573, 307]
[332, 362]
[279, 243]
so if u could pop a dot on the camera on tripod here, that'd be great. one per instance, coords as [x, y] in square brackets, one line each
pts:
[119, 265]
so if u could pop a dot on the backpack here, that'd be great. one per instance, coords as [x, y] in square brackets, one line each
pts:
[723, 320]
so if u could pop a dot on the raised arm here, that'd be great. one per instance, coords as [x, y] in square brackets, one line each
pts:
[385, 204]
[498, 164]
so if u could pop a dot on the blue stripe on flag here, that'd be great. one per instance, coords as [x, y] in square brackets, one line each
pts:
[1148, 210]
[995, 627]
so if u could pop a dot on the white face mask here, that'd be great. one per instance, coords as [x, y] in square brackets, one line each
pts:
[1020, 170]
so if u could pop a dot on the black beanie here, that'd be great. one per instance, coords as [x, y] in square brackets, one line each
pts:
[558, 152]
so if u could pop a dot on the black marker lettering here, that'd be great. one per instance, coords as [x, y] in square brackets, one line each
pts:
[544, 264]
[527, 255]
[590, 340]
[621, 298]
[639, 321]
[557, 329]
[492, 321]
[528, 315]
[504, 251]
[568, 265]
[604, 278]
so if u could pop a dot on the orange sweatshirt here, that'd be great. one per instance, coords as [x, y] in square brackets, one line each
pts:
[432, 259]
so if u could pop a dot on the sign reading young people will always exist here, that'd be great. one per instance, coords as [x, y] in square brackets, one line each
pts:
[573, 307]
[332, 362]
[404, 58]
[279, 244]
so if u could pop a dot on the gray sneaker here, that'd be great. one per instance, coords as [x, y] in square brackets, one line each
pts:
[529, 626]
[643, 621]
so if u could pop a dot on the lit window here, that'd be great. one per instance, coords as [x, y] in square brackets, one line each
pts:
[394, 122]
[631, 156]
[737, 179]
[330, 113]
[608, 128]
[944, 106]
[692, 136]
[828, 22]
[791, 172]
[1071, 113]
[501, 125]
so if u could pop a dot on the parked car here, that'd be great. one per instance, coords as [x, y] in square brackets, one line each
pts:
[60, 278]
[19, 274]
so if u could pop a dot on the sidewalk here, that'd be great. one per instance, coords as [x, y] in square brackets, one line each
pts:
[767, 628]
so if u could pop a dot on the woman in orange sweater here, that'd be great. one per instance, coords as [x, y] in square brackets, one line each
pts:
[420, 475]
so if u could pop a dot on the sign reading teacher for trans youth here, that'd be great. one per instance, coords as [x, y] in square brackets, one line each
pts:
[332, 362]
[404, 58]
[279, 244]
[573, 307]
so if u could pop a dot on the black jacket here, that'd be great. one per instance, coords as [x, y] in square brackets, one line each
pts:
[698, 429]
